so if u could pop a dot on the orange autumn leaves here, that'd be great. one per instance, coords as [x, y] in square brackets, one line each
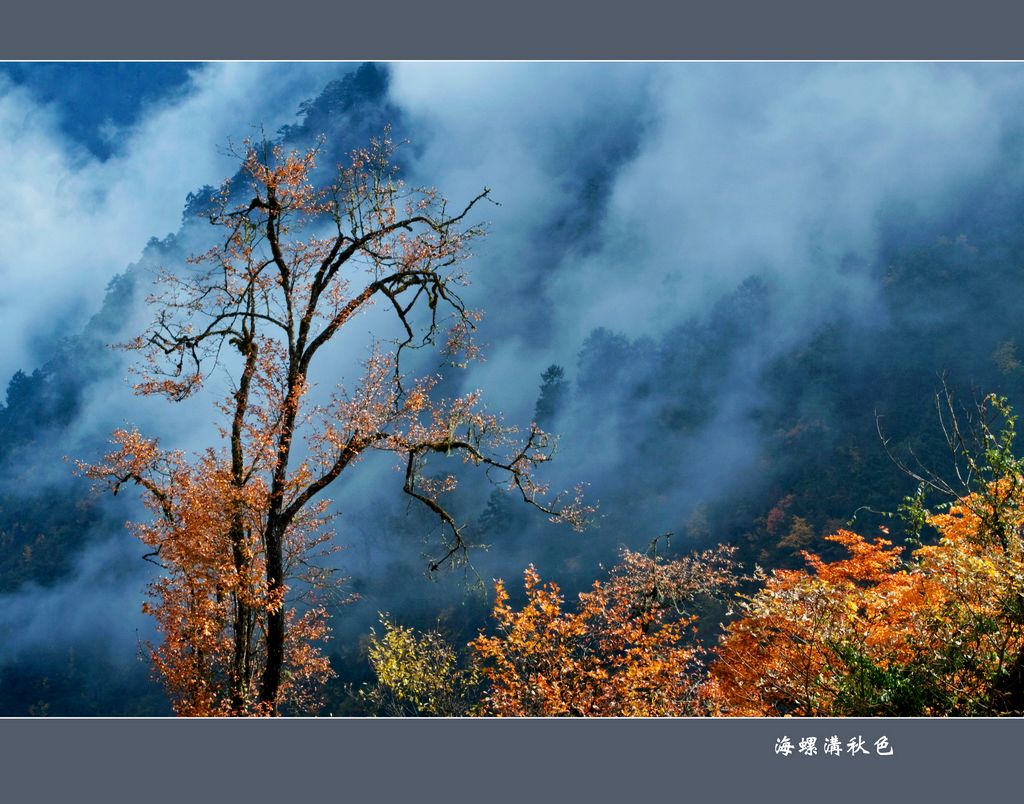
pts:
[628, 649]
[602, 659]
[937, 632]
[210, 600]
[874, 634]
[297, 257]
[788, 653]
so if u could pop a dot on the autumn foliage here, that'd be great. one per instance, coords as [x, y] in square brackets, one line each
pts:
[626, 650]
[802, 635]
[212, 599]
[938, 633]
[237, 529]
[418, 674]
[241, 530]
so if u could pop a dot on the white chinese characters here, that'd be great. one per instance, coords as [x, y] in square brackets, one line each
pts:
[833, 746]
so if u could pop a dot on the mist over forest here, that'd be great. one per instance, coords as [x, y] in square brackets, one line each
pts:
[716, 283]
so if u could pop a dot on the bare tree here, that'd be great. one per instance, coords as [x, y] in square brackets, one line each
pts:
[295, 264]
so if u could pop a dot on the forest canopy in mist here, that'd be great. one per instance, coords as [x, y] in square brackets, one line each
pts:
[732, 293]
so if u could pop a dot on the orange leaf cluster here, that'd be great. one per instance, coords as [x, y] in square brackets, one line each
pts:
[873, 634]
[211, 598]
[627, 650]
[295, 260]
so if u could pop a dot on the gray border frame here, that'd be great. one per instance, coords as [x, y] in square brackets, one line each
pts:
[933, 760]
[526, 29]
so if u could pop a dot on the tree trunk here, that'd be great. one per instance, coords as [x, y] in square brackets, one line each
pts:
[271, 681]
[241, 665]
